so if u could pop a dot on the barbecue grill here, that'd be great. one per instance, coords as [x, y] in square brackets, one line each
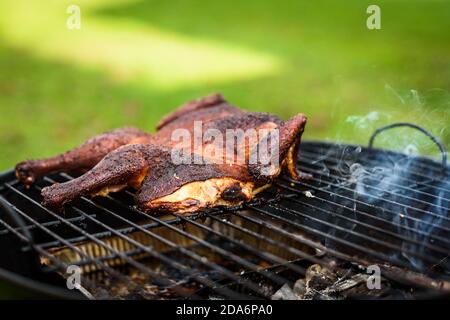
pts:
[316, 238]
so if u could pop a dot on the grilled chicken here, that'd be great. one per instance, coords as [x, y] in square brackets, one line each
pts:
[82, 158]
[217, 173]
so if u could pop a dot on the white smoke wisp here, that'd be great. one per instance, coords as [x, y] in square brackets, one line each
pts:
[403, 195]
[396, 190]
[364, 122]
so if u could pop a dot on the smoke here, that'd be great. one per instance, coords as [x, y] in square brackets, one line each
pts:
[418, 211]
[365, 122]
[409, 196]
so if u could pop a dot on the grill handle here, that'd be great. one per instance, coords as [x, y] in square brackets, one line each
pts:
[4, 207]
[414, 126]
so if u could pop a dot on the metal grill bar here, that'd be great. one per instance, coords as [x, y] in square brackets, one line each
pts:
[61, 265]
[264, 255]
[45, 224]
[368, 174]
[224, 253]
[292, 250]
[62, 240]
[401, 205]
[372, 156]
[368, 226]
[202, 260]
[253, 251]
[287, 213]
[316, 157]
[375, 208]
[360, 235]
[328, 175]
[159, 256]
[156, 277]
[360, 248]
[338, 254]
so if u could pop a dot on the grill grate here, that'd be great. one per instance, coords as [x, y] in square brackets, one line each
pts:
[362, 206]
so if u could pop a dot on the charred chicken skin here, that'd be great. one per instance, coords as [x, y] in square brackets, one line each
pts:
[128, 157]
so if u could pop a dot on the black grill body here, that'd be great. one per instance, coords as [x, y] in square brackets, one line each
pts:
[361, 207]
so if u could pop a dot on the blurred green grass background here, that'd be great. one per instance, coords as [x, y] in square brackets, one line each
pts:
[133, 61]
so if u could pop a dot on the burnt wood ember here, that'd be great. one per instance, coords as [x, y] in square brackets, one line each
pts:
[343, 282]
[316, 238]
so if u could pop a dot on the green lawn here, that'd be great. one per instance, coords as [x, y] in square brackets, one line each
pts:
[134, 61]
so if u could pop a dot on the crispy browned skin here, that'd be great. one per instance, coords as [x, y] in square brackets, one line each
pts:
[82, 158]
[148, 166]
[190, 106]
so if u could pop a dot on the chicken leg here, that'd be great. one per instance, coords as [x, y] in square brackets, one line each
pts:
[82, 158]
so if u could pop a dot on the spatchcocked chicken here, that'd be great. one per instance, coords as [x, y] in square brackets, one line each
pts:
[205, 154]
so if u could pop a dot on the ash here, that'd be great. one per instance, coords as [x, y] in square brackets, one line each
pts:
[343, 282]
